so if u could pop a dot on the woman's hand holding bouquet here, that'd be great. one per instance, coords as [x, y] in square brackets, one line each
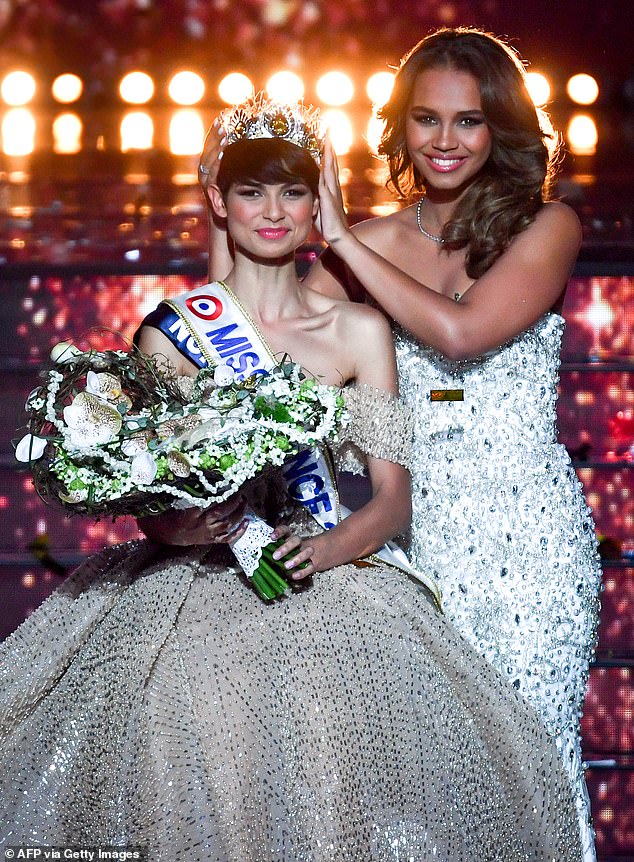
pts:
[110, 433]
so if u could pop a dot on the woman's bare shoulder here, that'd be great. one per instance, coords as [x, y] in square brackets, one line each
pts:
[344, 312]
[382, 231]
[558, 216]
[550, 242]
[363, 321]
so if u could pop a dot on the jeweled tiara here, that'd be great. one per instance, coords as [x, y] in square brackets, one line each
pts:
[261, 117]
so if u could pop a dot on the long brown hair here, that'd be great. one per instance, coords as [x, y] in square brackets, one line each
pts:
[520, 171]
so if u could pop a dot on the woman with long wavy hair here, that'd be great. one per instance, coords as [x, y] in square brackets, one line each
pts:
[473, 273]
[472, 270]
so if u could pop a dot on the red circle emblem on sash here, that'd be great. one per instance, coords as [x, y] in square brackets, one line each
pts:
[205, 306]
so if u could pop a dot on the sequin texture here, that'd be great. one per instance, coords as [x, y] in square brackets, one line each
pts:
[500, 519]
[155, 700]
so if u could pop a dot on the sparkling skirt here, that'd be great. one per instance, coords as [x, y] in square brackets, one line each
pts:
[154, 700]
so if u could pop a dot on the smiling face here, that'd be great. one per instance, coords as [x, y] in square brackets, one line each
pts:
[267, 221]
[447, 135]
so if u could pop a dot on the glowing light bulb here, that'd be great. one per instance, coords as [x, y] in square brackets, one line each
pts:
[136, 88]
[186, 133]
[186, 88]
[374, 132]
[339, 130]
[67, 88]
[335, 88]
[18, 132]
[379, 87]
[235, 88]
[538, 88]
[583, 135]
[17, 88]
[583, 89]
[137, 131]
[286, 87]
[67, 130]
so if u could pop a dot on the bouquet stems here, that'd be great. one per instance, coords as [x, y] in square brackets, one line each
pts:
[269, 579]
[254, 551]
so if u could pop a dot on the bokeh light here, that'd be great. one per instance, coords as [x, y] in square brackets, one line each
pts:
[186, 88]
[583, 89]
[186, 133]
[538, 87]
[235, 88]
[67, 88]
[582, 135]
[379, 87]
[136, 88]
[285, 87]
[67, 131]
[17, 88]
[18, 132]
[339, 130]
[137, 131]
[374, 132]
[335, 88]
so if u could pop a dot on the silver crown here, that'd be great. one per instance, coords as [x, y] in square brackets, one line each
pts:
[261, 117]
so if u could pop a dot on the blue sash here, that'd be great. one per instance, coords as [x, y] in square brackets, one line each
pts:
[209, 327]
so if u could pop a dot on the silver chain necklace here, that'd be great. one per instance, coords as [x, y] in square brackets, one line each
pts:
[431, 236]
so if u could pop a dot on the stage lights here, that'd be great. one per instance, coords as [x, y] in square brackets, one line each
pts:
[285, 87]
[235, 88]
[137, 131]
[583, 89]
[18, 132]
[17, 88]
[538, 88]
[379, 87]
[330, 90]
[582, 135]
[67, 131]
[186, 133]
[186, 88]
[136, 88]
[67, 88]
[374, 132]
[339, 130]
[335, 88]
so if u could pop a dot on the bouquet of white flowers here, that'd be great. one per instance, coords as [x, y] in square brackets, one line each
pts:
[111, 433]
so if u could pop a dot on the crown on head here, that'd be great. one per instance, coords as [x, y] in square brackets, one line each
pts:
[260, 117]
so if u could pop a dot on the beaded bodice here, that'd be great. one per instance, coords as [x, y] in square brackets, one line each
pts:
[509, 394]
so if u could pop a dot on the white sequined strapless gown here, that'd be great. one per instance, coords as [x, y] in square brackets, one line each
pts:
[500, 518]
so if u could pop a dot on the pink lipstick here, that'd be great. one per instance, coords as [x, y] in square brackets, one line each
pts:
[273, 232]
[445, 165]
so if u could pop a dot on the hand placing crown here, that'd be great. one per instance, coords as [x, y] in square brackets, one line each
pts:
[260, 117]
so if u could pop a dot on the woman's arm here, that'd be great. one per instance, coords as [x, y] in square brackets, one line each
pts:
[389, 510]
[525, 282]
[330, 276]
[219, 247]
[215, 524]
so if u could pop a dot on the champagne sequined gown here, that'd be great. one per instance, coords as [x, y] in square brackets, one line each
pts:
[154, 700]
[499, 518]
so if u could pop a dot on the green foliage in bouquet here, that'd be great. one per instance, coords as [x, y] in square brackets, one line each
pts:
[114, 433]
